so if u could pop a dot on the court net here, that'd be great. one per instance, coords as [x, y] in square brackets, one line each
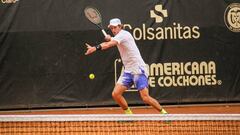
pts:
[114, 124]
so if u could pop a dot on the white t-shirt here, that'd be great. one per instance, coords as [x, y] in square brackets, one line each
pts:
[131, 57]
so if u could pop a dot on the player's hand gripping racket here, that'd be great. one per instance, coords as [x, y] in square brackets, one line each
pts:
[94, 16]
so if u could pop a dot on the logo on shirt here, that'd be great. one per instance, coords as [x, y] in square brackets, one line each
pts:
[232, 17]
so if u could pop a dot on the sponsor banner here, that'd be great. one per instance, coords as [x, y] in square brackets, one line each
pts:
[231, 17]
[191, 49]
[183, 74]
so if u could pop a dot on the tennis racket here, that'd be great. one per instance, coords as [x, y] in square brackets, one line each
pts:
[94, 16]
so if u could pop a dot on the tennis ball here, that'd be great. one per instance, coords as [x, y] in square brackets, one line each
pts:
[91, 76]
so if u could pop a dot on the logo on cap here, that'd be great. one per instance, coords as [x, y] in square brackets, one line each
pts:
[9, 1]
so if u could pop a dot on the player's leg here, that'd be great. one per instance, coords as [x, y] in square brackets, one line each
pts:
[144, 93]
[141, 82]
[118, 97]
[124, 82]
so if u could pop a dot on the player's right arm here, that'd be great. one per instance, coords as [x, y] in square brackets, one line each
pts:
[102, 46]
[109, 44]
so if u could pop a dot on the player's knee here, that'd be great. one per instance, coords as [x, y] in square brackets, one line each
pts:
[115, 94]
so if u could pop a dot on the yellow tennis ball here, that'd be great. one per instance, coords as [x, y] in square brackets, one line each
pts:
[91, 76]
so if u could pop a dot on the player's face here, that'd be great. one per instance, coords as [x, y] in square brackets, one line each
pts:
[115, 29]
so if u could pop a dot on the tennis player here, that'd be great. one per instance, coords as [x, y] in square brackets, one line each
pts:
[134, 66]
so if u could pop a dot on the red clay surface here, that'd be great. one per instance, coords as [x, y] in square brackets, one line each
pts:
[187, 109]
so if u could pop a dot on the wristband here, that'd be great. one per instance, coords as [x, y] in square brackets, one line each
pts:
[98, 47]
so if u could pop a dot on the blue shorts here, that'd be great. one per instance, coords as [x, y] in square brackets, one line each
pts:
[140, 81]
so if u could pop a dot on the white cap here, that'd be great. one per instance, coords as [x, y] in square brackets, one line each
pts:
[114, 22]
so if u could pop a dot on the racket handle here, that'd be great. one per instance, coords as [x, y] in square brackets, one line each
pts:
[104, 33]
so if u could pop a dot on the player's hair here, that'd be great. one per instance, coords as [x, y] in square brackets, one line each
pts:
[121, 26]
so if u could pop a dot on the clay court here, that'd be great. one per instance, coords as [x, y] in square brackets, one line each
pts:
[172, 109]
[74, 121]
